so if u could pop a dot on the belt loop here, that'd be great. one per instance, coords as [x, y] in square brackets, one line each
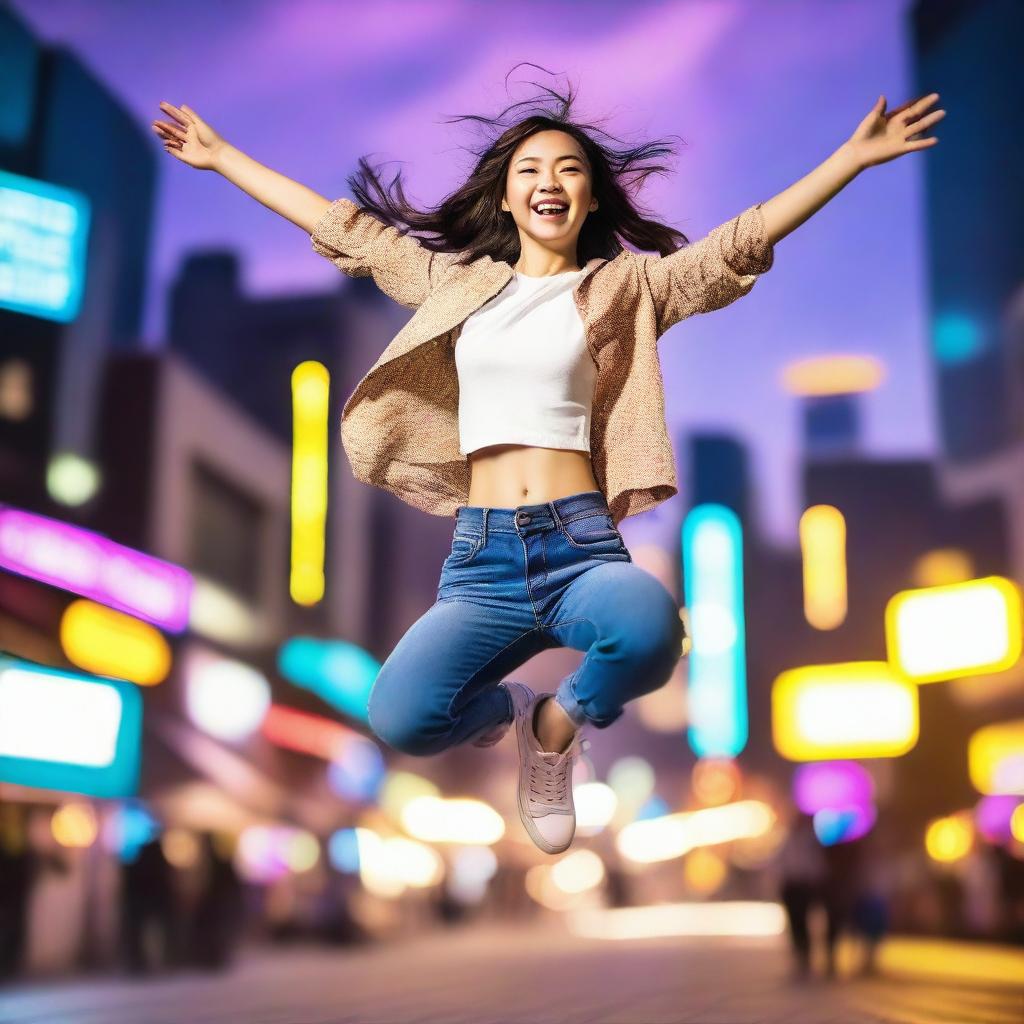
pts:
[483, 542]
[555, 515]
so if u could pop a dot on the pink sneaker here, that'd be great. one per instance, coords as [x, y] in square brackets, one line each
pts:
[545, 778]
[495, 735]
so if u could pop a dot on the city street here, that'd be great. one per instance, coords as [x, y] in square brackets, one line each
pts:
[541, 974]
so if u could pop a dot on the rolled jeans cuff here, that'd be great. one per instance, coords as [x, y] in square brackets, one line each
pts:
[569, 704]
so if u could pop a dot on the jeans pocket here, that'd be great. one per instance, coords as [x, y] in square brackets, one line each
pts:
[594, 533]
[464, 548]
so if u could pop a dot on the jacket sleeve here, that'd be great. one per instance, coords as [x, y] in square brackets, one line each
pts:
[711, 273]
[360, 245]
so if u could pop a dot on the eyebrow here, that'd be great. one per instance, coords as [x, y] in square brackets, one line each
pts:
[570, 156]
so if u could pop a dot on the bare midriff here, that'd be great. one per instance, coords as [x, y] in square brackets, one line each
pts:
[507, 475]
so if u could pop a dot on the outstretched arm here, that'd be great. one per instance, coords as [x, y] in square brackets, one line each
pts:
[193, 141]
[724, 265]
[879, 138]
[356, 242]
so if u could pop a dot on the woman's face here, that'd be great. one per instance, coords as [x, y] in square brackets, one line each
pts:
[549, 166]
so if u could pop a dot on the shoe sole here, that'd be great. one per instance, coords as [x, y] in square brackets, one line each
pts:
[521, 724]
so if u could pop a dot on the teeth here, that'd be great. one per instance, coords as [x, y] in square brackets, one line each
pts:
[544, 207]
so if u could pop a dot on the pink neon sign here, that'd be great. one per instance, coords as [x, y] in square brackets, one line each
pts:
[89, 564]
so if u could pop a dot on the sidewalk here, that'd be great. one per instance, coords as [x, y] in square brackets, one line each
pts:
[539, 974]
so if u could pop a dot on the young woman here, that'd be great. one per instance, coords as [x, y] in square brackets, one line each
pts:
[525, 398]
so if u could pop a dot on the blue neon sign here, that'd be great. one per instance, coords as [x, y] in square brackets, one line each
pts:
[713, 578]
[68, 730]
[44, 235]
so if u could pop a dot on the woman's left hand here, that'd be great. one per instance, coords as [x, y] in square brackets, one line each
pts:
[882, 136]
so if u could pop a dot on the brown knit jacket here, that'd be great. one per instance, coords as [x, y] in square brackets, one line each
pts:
[400, 427]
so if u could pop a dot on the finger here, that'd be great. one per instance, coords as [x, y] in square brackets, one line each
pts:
[918, 107]
[918, 128]
[899, 109]
[922, 143]
[166, 129]
[928, 120]
[169, 108]
[193, 116]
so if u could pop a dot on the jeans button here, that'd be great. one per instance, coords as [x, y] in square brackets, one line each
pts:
[522, 518]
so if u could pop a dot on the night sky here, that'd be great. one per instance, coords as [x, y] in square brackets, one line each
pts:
[760, 92]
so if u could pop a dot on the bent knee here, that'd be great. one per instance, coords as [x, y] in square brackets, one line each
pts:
[396, 724]
[657, 644]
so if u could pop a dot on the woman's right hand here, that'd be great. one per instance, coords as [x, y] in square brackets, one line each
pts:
[189, 138]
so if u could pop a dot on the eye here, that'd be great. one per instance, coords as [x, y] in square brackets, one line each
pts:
[528, 170]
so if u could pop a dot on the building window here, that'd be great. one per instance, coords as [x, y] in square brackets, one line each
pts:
[226, 532]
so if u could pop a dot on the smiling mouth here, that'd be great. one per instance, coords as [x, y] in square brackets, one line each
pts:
[553, 216]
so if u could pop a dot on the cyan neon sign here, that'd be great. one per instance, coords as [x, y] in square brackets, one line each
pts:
[713, 575]
[338, 672]
[68, 731]
[44, 234]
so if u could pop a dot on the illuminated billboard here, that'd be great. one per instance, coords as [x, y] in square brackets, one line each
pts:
[68, 731]
[96, 567]
[45, 232]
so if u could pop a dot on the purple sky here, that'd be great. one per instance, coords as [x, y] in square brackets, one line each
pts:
[761, 93]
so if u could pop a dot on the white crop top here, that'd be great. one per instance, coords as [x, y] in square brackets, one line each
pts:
[525, 373]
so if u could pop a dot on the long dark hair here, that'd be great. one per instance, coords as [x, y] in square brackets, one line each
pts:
[471, 221]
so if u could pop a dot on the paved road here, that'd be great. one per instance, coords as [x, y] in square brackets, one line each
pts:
[527, 974]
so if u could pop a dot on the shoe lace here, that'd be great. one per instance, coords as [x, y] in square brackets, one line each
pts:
[551, 772]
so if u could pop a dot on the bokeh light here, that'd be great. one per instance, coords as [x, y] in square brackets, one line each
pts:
[399, 789]
[843, 824]
[343, 851]
[578, 871]
[358, 771]
[959, 629]
[992, 816]
[632, 780]
[705, 871]
[310, 392]
[595, 807]
[949, 839]
[822, 533]
[715, 780]
[74, 825]
[459, 820]
[850, 710]
[472, 869]
[110, 643]
[128, 828]
[831, 784]
[266, 853]
[942, 566]
[992, 753]
[712, 551]
[657, 839]
[181, 847]
[224, 697]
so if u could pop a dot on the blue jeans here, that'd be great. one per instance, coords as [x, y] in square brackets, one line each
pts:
[518, 581]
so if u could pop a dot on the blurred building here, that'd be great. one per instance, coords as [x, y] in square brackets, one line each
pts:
[81, 228]
[183, 454]
[973, 217]
[895, 514]
[247, 348]
[974, 222]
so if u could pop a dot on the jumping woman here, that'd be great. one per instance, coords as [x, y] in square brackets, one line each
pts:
[524, 397]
